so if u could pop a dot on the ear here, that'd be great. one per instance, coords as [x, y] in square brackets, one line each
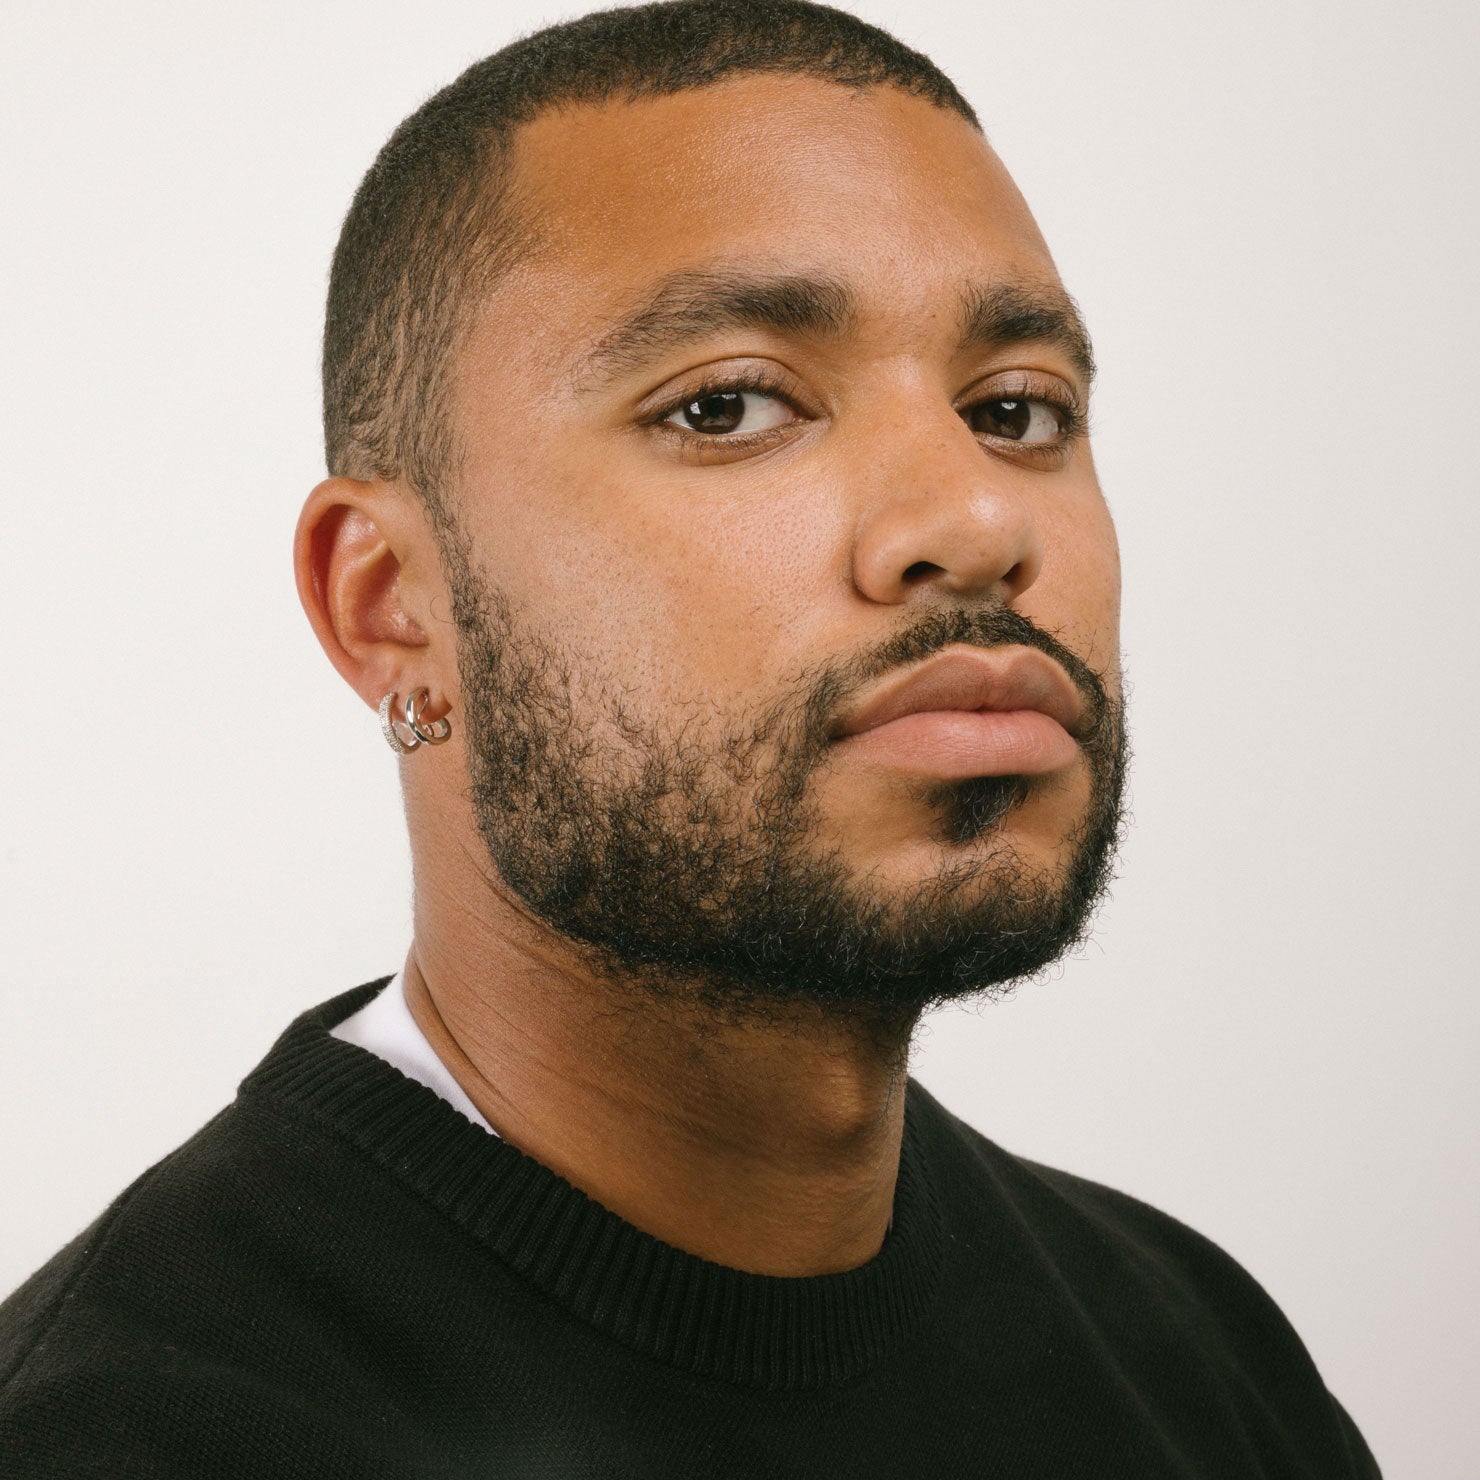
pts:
[365, 560]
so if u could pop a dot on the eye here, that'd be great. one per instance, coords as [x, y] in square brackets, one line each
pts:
[1018, 419]
[721, 412]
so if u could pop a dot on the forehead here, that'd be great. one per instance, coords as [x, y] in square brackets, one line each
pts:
[898, 198]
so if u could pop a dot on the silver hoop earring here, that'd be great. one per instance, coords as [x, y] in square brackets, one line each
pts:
[404, 735]
[429, 732]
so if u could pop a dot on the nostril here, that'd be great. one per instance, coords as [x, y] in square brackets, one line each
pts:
[1019, 578]
[920, 570]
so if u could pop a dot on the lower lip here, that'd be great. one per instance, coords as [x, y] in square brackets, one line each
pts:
[959, 743]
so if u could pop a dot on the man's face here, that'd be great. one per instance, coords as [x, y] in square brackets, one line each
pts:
[783, 403]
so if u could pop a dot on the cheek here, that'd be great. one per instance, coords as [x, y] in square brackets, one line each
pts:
[1078, 591]
[677, 592]
[744, 573]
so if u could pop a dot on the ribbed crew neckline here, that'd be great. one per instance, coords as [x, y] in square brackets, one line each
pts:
[757, 1330]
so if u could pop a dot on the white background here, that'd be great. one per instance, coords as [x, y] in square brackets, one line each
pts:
[1268, 211]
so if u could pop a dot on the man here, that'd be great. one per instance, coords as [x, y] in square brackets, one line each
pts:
[711, 523]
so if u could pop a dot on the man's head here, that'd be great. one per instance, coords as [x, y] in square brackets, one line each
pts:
[736, 387]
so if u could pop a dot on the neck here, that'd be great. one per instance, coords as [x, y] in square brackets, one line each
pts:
[772, 1148]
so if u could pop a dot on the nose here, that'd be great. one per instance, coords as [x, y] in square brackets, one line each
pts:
[941, 511]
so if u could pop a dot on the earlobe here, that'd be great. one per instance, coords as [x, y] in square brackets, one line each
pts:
[349, 557]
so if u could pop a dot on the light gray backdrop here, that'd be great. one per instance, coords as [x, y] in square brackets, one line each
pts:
[1268, 211]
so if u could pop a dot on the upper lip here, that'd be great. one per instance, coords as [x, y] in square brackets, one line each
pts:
[962, 677]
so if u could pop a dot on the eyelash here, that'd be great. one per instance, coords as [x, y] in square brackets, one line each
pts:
[756, 381]
[1072, 417]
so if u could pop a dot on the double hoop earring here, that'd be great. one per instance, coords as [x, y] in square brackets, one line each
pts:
[403, 735]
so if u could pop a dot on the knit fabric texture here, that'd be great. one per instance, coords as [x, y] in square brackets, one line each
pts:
[341, 1276]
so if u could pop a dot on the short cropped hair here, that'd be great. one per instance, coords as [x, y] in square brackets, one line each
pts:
[435, 220]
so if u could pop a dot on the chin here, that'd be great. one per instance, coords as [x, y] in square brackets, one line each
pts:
[909, 837]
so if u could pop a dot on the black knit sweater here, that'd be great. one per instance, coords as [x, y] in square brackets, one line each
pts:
[340, 1275]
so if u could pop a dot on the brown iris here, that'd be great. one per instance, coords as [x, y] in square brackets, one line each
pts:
[720, 411]
[1010, 419]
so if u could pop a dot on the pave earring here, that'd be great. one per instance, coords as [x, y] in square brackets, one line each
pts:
[404, 735]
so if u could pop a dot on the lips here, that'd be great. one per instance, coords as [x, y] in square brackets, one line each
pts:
[976, 680]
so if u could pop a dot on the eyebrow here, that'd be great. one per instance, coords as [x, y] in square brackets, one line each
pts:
[1012, 312]
[690, 306]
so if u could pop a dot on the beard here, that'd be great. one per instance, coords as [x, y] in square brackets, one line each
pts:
[683, 860]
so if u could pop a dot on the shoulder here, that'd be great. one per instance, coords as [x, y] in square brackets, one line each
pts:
[174, 1326]
[106, 1339]
[1069, 1213]
[1086, 1229]
[1138, 1283]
